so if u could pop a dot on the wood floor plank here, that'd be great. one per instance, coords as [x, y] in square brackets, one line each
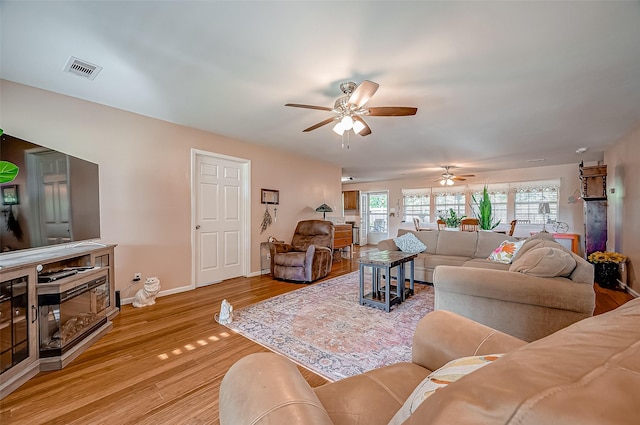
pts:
[163, 364]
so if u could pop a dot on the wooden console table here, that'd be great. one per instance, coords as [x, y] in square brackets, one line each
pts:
[343, 237]
[571, 238]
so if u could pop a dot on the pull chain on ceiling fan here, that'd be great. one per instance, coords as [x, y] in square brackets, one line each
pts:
[349, 110]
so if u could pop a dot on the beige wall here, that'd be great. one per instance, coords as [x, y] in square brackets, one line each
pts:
[145, 178]
[623, 176]
[569, 181]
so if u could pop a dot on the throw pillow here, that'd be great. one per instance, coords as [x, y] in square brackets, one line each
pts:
[506, 251]
[447, 374]
[409, 243]
[545, 262]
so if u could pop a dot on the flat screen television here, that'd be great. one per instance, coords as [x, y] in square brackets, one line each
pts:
[54, 199]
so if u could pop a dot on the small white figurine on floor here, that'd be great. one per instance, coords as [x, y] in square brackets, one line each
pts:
[147, 295]
[226, 313]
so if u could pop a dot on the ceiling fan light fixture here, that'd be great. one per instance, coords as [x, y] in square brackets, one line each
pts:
[358, 127]
[347, 122]
[339, 128]
[448, 181]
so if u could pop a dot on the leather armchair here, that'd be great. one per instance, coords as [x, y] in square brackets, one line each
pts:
[308, 257]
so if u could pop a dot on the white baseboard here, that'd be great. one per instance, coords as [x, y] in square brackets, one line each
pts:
[161, 293]
[129, 300]
[628, 289]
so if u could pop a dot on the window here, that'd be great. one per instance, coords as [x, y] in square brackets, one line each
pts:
[416, 204]
[446, 200]
[528, 200]
[509, 200]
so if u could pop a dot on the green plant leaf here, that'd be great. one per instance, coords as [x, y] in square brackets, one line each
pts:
[8, 171]
[485, 212]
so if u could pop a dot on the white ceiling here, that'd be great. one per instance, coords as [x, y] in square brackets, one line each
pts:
[495, 83]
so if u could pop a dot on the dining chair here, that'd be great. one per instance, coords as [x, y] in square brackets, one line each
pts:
[469, 225]
[513, 225]
[416, 222]
[441, 224]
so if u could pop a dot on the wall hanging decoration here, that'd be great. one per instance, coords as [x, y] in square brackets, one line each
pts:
[266, 220]
[269, 197]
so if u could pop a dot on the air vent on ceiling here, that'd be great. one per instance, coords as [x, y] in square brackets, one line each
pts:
[82, 68]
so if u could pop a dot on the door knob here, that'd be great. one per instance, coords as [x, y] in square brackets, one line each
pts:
[197, 227]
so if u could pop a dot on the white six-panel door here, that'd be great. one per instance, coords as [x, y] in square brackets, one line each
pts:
[219, 214]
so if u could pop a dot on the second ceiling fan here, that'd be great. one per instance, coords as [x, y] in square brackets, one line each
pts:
[350, 108]
[448, 177]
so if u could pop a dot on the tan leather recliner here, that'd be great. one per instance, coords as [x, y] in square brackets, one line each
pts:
[308, 257]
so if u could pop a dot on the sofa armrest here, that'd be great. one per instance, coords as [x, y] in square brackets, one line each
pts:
[266, 388]
[442, 336]
[387, 245]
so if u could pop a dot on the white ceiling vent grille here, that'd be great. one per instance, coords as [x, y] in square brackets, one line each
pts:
[82, 68]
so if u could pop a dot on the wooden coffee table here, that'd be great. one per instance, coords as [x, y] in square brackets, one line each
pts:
[390, 294]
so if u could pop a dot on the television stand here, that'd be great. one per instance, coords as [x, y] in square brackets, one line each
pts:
[87, 243]
[56, 319]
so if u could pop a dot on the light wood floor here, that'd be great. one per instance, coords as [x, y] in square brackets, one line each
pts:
[163, 364]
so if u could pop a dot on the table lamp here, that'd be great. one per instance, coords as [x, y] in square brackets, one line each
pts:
[324, 209]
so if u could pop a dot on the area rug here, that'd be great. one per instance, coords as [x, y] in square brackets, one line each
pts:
[324, 328]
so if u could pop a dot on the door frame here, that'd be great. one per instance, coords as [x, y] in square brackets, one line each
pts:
[245, 210]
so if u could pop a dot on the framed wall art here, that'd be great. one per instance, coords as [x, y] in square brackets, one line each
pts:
[269, 196]
[10, 195]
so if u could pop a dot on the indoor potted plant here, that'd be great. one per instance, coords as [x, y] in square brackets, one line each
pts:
[485, 213]
[607, 267]
[452, 220]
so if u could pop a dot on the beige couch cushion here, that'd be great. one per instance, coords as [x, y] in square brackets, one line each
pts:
[545, 262]
[540, 240]
[459, 244]
[431, 261]
[488, 241]
[483, 263]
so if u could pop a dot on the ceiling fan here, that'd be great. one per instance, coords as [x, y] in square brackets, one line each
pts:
[448, 177]
[350, 108]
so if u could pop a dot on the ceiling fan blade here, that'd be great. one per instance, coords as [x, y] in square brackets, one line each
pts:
[466, 175]
[391, 111]
[320, 124]
[298, 105]
[363, 93]
[458, 178]
[366, 130]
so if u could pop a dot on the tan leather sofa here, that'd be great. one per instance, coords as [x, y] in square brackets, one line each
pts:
[450, 248]
[587, 373]
[528, 304]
